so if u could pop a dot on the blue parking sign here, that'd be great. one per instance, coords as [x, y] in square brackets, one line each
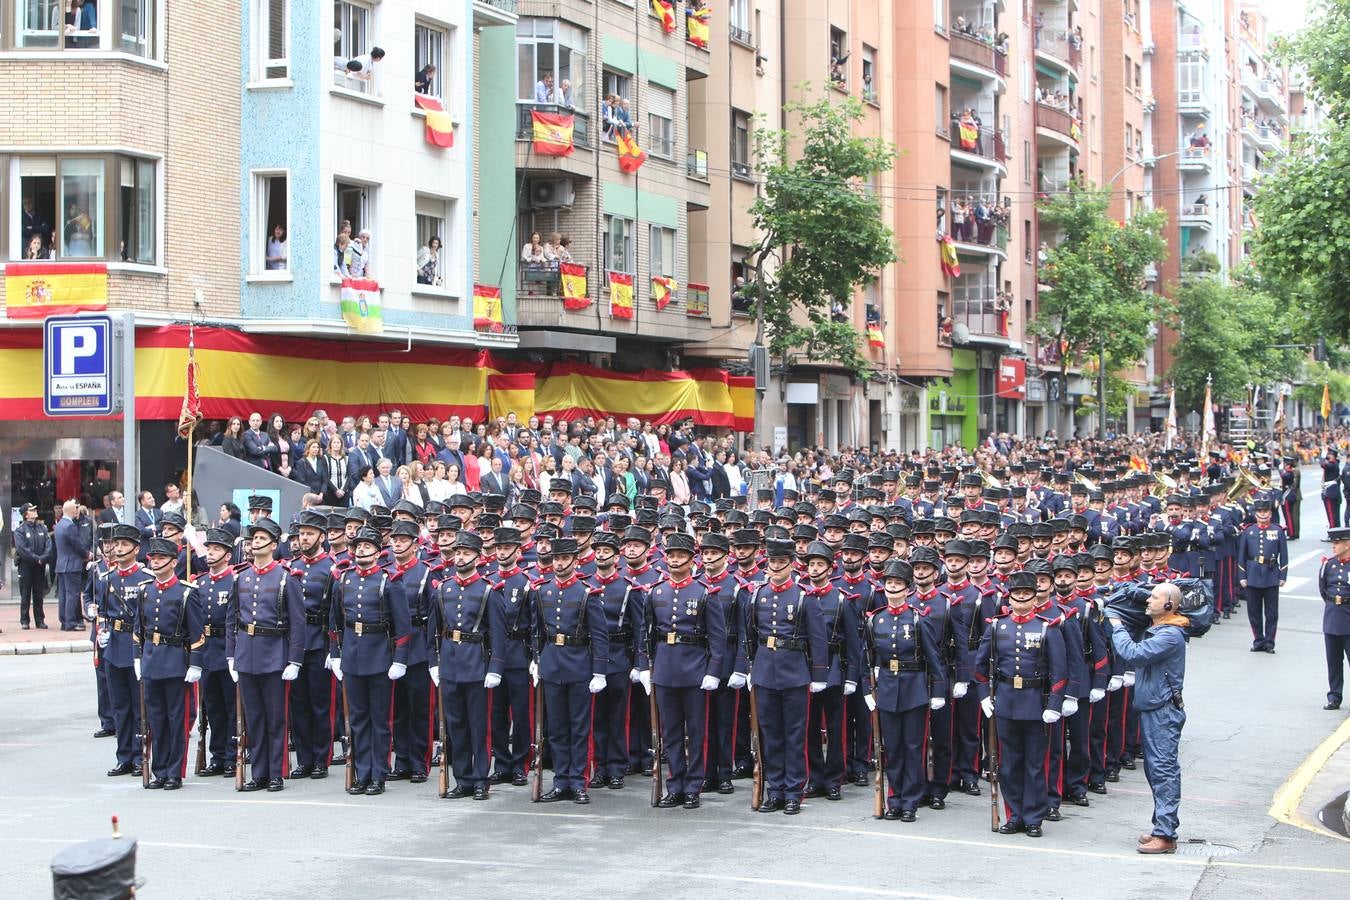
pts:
[77, 366]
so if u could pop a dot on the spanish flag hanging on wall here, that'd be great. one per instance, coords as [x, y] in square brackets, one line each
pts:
[631, 156]
[510, 393]
[665, 11]
[487, 308]
[662, 290]
[552, 133]
[876, 337]
[951, 265]
[696, 25]
[440, 131]
[574, 290]
[41, 289]
[970, 135]
[361, 305]
[620, 296]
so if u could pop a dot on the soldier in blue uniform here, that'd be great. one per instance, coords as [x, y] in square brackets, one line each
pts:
[512, 728]
[965, 624]
[215, 586]
[825, 709]
[264, 648]
[1331, 487]
[465, 624]
[311, 700]
[1262, 567]
[414, 718]
[679, 658]
[636, 548]
[1069, 737]
[1333, 583]
[907, 679]
[368, 647]
[571, 657]
[861, 557]
[168, 657]
[623, 602]
[119, 610]
[1020, 668]
[783, 651]
[724, 703]
[98, 631]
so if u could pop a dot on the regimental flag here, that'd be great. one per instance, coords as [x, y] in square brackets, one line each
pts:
[41, 289]
[487, 309]
[876, 337]
[1326, 402]
[574, 290]
[950, 264]
[696, 26]
[361, 305]
[665, 11]
[1279, 411]
[663, 289]
[552, 133]
[440, 131]
[1208, 432]
[631, 156]
[191, 413]
[1138, 463]
[1171, 418]
[1075, 132]
[970, 135]
[620, 296]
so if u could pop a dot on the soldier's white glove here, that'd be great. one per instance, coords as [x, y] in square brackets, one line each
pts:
[736, 681]
[871, 702]
[633, 675]
[987, 704]
[1129, 679]
[490, 682]
[136, 666]
[937, 703]
[710, 683]
[818, 686]
[645, 679]
[1115, 683]
[1049, 717]
[337, 668]
[103, 638]
[850, 687]
[1070, 705]
[1096, 695]
[290, 673]
[534, 673]
[397, 671]
[91, 610]
[234, 676]
[328, 662]
[435, 672]
[876, 674]
[959, 690]
[597, 684]
[194, 674]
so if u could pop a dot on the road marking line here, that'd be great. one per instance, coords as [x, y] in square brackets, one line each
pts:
[1290, 794]
[1300, 560]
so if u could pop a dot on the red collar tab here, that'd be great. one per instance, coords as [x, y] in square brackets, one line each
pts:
[465, 582]
[1022, 620]
[678, 585]
[165, 585]
[571, 580]
[135, 567]
[265, 569]
[366, 573]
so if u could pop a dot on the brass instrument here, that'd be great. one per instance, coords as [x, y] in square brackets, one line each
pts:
[989, 480]
[1085, 481]
[1244, 483]
[1163, 484]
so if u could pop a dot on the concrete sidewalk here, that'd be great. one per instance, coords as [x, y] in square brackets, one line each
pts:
[14, 641]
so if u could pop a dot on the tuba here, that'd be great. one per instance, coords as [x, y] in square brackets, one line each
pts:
[1085, 481]
[1243, 484]
[1163, 484]
[989, 480]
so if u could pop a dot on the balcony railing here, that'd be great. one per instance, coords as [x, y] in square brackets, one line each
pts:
[978, 53]
[986, 142]
[1057, 120]
[696, 301]
[696, 164]
[543, 281]
[1059, 45]
[1193, 102]
[581, 130]
[982, 316]
[992, 232]
[1193, 42]
[1194, 158]
[1198, 212]
[741, 36]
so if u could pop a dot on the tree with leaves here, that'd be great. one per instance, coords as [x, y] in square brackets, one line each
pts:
[822, 226]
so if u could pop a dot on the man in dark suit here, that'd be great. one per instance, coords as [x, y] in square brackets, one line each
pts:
[451, 455]
[147, 518]
[73, 545]
[493, 482]
[257, 445]
[114, 511]
[391, 489]
[396, 440]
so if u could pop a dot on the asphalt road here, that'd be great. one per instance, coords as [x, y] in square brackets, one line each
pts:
[1253, 718]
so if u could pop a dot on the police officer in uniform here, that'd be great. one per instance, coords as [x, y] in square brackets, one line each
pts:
[215, 586]
[169, 640]
[1262, 567]
[119, 609]
[369, 649]
[311, 700]
[33, 549]
[264, 648]
[1333, 583]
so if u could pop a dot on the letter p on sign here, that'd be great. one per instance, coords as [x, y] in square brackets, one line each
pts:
[79, 342]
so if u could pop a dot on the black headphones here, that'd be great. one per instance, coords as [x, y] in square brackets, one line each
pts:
[1167, 606]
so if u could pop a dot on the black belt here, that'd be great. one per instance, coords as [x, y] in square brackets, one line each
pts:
[369, 627]
[518, 634]
[1019, 681]
[835, 646]
[160, 639]
[973, 645]
[313, 618]
[462, 637]
[905, 665]
[418, 621]
[567, 640]
[121, 625]
[253, 630]
[777, 643]
[696, 640]
[215, 631]
[624, 635]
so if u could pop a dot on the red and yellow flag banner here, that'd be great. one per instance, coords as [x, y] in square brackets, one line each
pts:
[951, 265]
[574, 290]
[360, 304]
[552, 133]
[511, 392]
[1326, 402]
[665, 11]
[620, 296]
[711, 396]
[876, 337]
[191, 414]
[969, 135]
[663, 289]
[631, 156]
[440, 130]
[35, 290]
[696, 25]
[487, 309]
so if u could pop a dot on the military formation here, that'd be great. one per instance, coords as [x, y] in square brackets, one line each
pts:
[937, 630]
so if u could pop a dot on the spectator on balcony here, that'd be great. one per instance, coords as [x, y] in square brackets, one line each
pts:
[837, 77]
[82, 25]
[425, 79]
[276, 248]
[959, 219]
[36, 250]
[1002, 43]
[1198, 139]
[945, 327]
[608, 122]
[1202, 203]
[562, 248]
[359, 262]
[362, 67]
[564, 94]
[1042, 254]
[79, 232]
[1076, 38]
[341, 256]
[535, 255]
[622, 116]
[429, 262]
[984, 222]
[543, 89]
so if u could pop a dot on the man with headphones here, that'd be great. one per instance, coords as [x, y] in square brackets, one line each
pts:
[1158, 659]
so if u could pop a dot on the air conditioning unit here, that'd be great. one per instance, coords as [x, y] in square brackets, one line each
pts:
[551, 193]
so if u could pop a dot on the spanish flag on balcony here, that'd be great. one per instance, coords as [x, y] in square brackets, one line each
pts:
[876, 337]
[631, 156]
[487, 309]
[440, 131]
[662, 290]
[40, 289]
[361, 305]
[1074, 131]
[574, 290]
[552, 133]
[696, 25]
[665, 11]
[969, 134]
[620, 296]
[951, 265]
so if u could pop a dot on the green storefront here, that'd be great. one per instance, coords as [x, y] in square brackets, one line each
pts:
[954, 408]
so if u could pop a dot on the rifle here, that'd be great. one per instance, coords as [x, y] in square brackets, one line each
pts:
[657, 750]
[443, 778]
[201, 728]
[993, 741]
[349, 767]
[757, 784]
[240, 738]
[147, 745]
[879, 792]
[537, 773]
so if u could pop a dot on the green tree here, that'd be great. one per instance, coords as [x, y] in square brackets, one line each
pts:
[1097, 298]
[1315, 378]
[817, 217]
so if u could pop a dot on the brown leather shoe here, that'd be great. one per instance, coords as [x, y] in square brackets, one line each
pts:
[1158, 845]
[1145, 838]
